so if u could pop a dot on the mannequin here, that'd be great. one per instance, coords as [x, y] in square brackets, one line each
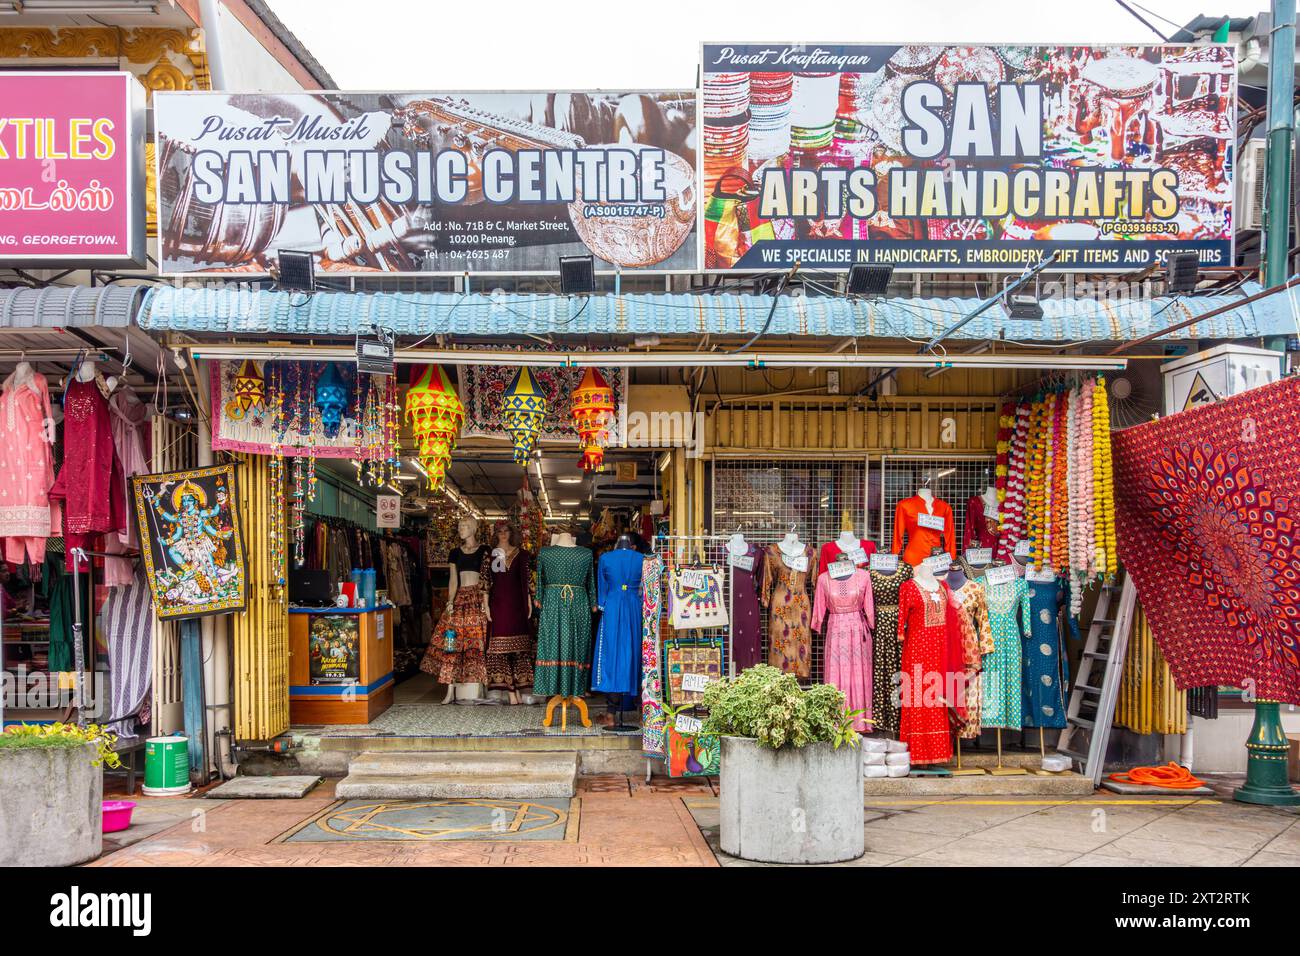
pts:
[927, 628]
[86, 372]
[848, 543]
[843, 611]
[566, 589]
[981, 528]
[616, 663]
[456, 650]
[786, 569]
[976, 640]
[745, 563]
[27, 517]
[927, 523]
[511, 647]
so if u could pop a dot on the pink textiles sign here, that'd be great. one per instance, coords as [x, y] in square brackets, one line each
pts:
[71, 170]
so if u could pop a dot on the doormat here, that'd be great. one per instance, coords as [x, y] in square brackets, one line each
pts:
[431, 821]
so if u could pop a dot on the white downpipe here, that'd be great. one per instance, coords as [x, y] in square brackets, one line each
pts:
[210, 17]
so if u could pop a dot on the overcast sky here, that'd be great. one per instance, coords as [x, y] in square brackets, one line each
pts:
[612, 44]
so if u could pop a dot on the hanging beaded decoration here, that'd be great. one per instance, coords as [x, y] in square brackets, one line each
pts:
[305, 423]
[275, 398]
[377, 455]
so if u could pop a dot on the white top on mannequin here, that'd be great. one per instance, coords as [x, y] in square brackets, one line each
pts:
[847, 541]
[737, 544]
[791, 545]
[565, 540]
[86, 372]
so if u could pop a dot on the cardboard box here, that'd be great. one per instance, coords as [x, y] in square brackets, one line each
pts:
[1293, 758]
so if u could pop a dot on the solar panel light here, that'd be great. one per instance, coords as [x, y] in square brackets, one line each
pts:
[1182, 271]
[869, 280]
[1024, 306]
[577, 275]
[296, 271]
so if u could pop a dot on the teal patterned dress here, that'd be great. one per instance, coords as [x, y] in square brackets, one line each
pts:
[1000, 681]
[1047, 672]
[566, 592]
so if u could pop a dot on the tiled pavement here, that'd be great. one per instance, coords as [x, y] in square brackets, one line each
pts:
[625, 821]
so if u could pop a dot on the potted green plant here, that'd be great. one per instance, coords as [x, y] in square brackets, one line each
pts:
[51, 791]
[790, 781]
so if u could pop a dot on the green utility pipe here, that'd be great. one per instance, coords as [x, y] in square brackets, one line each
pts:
[1281, 132]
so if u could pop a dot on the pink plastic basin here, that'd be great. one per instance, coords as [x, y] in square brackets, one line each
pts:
[117, 815]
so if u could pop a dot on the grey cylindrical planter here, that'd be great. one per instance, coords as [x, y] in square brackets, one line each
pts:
[793, 805]
[51, 810]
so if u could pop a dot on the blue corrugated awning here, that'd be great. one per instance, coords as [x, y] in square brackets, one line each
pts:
[230, 311]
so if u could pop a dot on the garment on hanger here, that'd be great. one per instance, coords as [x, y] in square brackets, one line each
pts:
[128, 418]
[27, 516]
[89, 484]
[128, 620]
[1046, 670]
[886, 647]
[910, 518]
[511, 649]
[980, 531]
[785, 595]
[615, 667]
[566, 588]
[845, 614]
[931, 636]
[56, 587]
[830, 553]
[976, 641]
[746, 623]
[1008, 606]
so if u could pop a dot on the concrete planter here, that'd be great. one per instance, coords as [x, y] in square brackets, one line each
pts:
[50, 806]
[793, 805]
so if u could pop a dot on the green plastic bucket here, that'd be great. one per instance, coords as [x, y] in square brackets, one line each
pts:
[166, 766]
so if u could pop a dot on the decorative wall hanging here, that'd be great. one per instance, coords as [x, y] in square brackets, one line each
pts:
[1209, 527]
[483, 387]
[249, 401]
[593, 408]
[436, 414]
[377, 452]
[652, 691]
[191, 541]
[250, 392]
[684, 656]
[523, 409]
[696, 598]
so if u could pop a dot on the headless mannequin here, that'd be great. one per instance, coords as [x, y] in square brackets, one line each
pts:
[86, 372]
[614, 702]
[467, 531]
[956, 578]
[990, 499]
[791, 546]
[21, 375]
[847, 541]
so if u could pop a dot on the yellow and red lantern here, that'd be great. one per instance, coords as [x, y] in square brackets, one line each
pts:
[250, 391]
[435, 413]
[523, 408]
[592, 404]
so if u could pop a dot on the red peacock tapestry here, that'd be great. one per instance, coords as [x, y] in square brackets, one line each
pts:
[1207, 506]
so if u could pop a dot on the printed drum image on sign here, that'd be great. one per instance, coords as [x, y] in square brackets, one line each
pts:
[966, 157]
[426, 182]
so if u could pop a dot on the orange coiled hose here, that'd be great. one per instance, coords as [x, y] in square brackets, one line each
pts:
[1171, 777]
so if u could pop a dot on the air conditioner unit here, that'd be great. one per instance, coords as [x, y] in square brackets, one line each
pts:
[1252, 176]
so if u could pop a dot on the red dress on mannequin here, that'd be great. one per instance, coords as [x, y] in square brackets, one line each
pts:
[980, 531]
[930, 631]
[90, 479]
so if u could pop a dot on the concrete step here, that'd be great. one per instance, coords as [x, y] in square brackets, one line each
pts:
[437, 775]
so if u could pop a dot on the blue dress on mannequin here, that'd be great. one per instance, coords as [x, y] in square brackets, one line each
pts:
[616, 666]
[1046, 668]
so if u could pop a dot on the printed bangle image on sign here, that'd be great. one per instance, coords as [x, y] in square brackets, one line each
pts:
[966, 157]
[426, 182]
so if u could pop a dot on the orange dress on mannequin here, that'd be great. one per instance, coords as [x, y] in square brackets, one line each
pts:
[908, 517]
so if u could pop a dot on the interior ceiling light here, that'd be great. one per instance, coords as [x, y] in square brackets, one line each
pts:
[569, 480]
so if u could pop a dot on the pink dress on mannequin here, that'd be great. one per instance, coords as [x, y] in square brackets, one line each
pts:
[845, 611]
[27, 516]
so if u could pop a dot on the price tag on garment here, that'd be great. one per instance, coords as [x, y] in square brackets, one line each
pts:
[938, 564]
[693, 578]
[839, 570]
[1024, 548]
[743, 561]
[1003, 574]
[993, 516]
[686, 724]
[388, 511]
[933, 522]
[884, 563]
[979, 555]
[856, 555]
[797, 563]
[1046, 576]
[697, 683]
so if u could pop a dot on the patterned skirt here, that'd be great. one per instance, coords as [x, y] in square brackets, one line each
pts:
[510, 661]
[465, 663]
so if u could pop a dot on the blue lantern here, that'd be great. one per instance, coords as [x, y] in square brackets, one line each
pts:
[331, 400]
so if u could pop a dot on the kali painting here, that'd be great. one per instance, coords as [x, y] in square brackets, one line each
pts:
[191, 541]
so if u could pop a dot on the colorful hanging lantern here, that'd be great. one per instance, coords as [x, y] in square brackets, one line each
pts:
[250, 391]
[435, 412]
[592, 404]
[331, 399]
[523, 409]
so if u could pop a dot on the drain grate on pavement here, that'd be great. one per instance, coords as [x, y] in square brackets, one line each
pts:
[426, 821]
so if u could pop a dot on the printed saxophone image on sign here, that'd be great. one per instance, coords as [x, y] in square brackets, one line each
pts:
[966, 157]
[426, 182]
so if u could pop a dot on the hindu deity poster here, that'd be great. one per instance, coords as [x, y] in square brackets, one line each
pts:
[191, 541]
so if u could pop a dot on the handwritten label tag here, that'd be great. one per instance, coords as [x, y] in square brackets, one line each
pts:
[1024, 548]
[743, 561]
[979, 555]
[856, 555]
[938, 564]
[695, 682]
[840, 570]
[797, 563]
[933, 522]
[693, 578]
[686, 724]
[1046, 576]
[993, 516]
[885, 563]
[1003, 574]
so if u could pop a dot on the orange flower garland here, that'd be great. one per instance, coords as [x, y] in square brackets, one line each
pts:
[1103, 482]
